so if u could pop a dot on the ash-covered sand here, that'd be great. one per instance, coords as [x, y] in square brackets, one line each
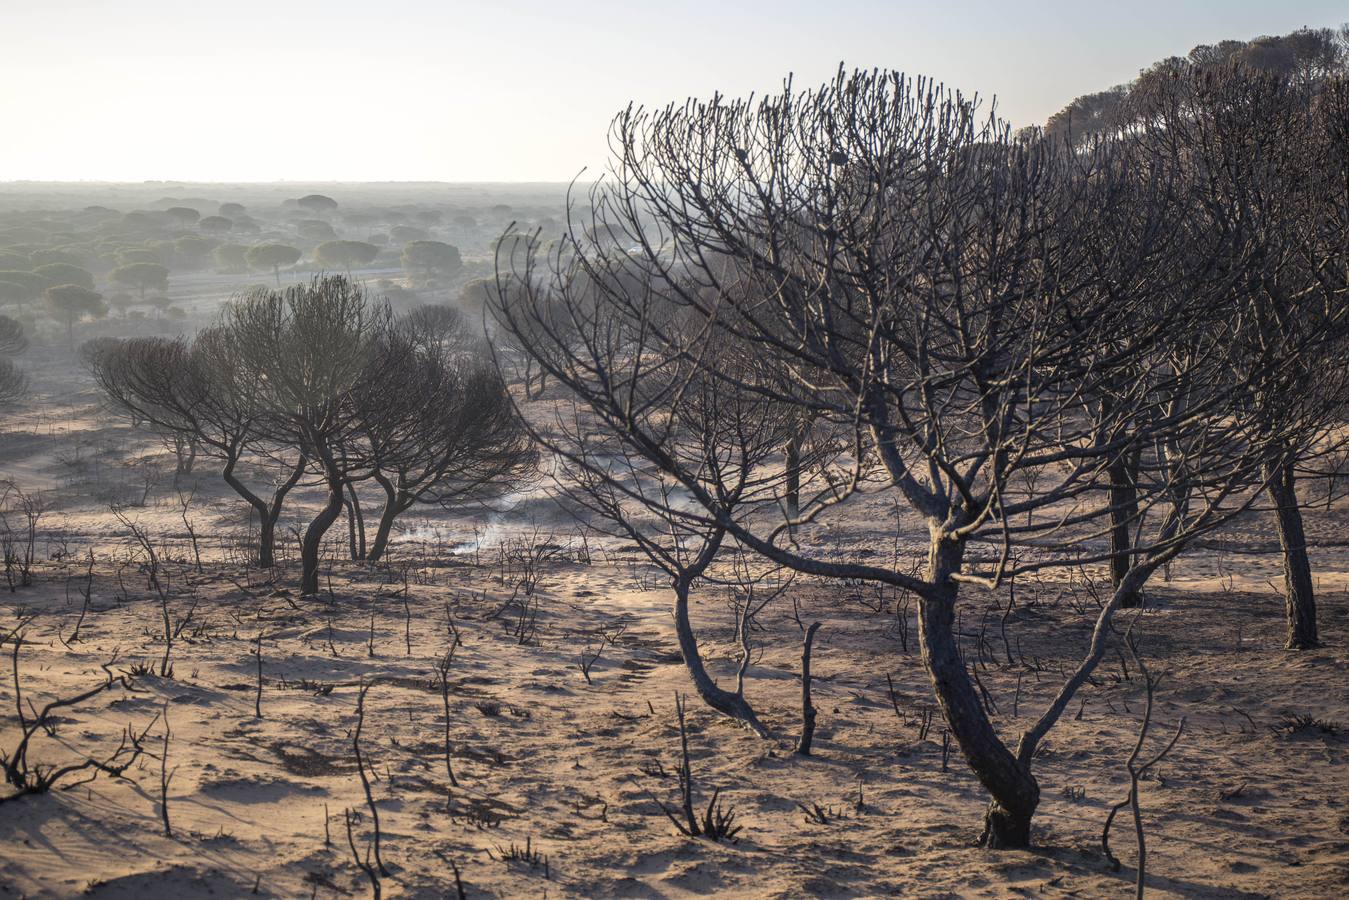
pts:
[1242, 806]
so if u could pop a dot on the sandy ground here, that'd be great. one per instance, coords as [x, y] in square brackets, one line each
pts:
[1243, 806]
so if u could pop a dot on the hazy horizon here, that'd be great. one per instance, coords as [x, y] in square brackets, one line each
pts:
[519, 92]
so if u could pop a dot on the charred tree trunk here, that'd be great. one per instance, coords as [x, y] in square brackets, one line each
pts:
[724, 702]
[266, 542]
[793, 465]
[529, 377]
[393, 505]
[807, 706]
[1123, 515]
[1014, 790]
[1299, 594]
[313, 535]
[355, 523]
[351, 529]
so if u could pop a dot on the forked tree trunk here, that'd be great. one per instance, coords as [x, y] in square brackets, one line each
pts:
[268, 514]
[1014, 790]
[266, 537]
[267, 540]
[1299, 594]
[725, 702]
[1123, 515]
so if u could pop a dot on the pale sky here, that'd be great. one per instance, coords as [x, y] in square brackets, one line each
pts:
[513, 90]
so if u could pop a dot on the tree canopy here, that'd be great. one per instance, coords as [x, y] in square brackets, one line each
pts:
[64, 273]
[183, 215]
[70, 303]
[431, 258]
[272, 256]
[318, 203]
[345, 254]
[216, 224]
[143, 276]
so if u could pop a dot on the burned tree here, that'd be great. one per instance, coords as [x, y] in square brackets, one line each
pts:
[1267, 155]
[724, 435]
[440, 331]
[195, 395]
[311, 350]
[437, 425]
[28, 777]
[967, 309]
[552, 320]
[152, 382]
